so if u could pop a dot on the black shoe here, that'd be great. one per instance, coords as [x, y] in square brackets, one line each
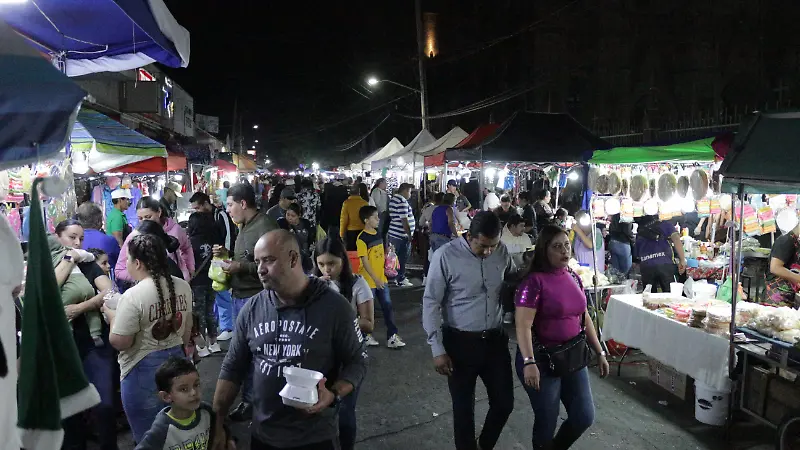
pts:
[242, 413]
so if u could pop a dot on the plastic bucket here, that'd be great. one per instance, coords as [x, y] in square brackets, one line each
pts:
[710, 405]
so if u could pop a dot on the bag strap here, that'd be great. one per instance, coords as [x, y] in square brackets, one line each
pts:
[578, 282]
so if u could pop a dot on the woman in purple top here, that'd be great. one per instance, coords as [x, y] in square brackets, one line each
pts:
[443, 222]
[550, 307]
[654, 242]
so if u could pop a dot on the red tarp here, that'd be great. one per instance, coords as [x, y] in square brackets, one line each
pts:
[225, 166]
[173, 162]
[479, 135]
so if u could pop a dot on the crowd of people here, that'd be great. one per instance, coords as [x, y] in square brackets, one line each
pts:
[304, 272]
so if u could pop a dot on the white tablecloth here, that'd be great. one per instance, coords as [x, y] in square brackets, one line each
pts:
[692, 351]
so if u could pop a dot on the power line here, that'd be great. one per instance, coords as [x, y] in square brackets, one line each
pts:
[482, 104]
[498, 40]
[318, 129]
[352, 143]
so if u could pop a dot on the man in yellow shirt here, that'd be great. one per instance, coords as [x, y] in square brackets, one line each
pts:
[370, 249]
[350, 223]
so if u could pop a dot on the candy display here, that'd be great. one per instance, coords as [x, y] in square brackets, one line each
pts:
[586, 274]
[782, 323]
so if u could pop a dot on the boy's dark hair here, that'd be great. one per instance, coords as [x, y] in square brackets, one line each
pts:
[366, 212]
[485, 223]
[97, 252]
[296, 208]
[243, 191]
[438, 197]
[505, 199]
[514, 220]
[226, 184]
[561, 212]
[172, 368]
[200, 198]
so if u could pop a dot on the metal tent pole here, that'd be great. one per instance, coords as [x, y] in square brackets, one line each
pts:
[735, 268]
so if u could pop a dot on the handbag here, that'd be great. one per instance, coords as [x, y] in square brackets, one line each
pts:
[567, 358]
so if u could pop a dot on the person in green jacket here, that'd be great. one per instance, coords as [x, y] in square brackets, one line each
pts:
[116, 221]
[242, 267]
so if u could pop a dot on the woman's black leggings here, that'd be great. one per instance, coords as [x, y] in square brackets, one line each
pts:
[659, 276]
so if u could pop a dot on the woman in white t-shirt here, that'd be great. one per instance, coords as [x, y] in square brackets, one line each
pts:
[152, 321]
[334, 266]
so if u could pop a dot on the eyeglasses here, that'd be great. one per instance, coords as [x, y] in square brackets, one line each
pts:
[561, 247]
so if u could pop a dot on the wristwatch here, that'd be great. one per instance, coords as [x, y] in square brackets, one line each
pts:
[68, 258]
[603, 353]
[528, 361]
[337, 400]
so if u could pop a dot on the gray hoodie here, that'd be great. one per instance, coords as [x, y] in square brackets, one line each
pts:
[321, 333]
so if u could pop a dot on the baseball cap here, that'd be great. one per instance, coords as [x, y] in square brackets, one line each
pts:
[452, 183]
[175, 187]
[121, 193]
[288, 192]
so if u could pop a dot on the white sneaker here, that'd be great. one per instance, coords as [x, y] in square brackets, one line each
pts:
[396, 342]
[202, 352]
[405, 283]
[508, 318]
[424, 280]
[371, 342]
[214, 348]
[225, 336]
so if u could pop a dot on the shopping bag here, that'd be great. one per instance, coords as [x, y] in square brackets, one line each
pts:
[321, 234]
[391, 263]
[219, 278]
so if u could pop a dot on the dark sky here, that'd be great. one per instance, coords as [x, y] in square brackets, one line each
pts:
[294, 65]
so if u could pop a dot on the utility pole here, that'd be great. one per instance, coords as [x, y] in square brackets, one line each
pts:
[235, 125]
[423, 90]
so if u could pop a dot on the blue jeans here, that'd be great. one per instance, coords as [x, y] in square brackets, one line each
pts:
[140, 394]
[382, 297]
[620, 256]
[574, 391]
[247, 385]
[224, 308]
[347, 420]
[438, 240]
[99, 365]
[402, 246]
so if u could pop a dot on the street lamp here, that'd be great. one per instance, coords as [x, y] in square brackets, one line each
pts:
[256, 141]
[373, 81]
[315, 166]
[255, 127]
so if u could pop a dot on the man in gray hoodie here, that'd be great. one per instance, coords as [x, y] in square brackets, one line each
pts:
[294, 322]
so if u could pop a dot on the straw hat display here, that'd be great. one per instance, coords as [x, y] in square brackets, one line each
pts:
[683, 186]
[614, 183]
[652, 188]
[594, 174]
[638, 187]
[602, 184]
[667, 185]
[699, 183]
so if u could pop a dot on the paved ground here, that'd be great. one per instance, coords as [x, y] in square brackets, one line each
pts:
[404, 404]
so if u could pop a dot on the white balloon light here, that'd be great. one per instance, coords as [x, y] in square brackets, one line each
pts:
[612, 206]
[651, 207]
[786, 220]
[725, 202]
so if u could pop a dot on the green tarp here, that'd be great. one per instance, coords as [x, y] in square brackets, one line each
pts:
[699, 150]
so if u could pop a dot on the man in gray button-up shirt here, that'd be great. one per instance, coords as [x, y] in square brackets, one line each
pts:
[462, 315]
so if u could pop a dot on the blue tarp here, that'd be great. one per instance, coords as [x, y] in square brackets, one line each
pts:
[102, 35]
[38, 103]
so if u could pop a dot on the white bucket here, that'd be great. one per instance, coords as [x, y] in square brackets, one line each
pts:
[710, 405]
[676, 289]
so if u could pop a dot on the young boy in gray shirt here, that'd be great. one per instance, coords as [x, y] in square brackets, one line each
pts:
[188, 423]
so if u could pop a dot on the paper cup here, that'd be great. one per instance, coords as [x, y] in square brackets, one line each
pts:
[676, 288]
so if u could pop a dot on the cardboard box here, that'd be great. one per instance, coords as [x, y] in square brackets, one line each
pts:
[756, 385]
[668, 378]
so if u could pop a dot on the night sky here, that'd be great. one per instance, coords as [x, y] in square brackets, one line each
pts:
[299, 69]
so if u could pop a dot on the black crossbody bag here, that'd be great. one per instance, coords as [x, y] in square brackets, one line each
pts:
[567, 358]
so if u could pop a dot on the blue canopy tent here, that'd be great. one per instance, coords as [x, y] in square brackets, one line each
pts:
[102, 35]
[38, 104]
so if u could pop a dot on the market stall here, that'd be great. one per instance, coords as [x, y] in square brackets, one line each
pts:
[38, 103]
[102, 35]
[764, 160]
[360, 168]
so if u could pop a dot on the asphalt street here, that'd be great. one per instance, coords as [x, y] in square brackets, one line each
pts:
[404, 404]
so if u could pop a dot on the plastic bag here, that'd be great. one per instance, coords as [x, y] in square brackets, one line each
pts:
[219, 278]
[391, 263]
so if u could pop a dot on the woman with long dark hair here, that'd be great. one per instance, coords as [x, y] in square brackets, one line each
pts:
[152, 321]
[82, 292]
[333, 265]
[553, 331]
[150, 209]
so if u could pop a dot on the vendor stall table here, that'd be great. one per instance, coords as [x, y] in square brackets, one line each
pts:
[692, 351]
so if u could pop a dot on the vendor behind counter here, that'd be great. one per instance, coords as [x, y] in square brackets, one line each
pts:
[782, 278]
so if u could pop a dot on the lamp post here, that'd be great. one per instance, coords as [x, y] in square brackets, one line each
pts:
[372, 81]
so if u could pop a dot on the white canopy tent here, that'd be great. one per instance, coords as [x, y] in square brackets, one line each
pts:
[392, 147]
[406, 154]
[449, 140]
